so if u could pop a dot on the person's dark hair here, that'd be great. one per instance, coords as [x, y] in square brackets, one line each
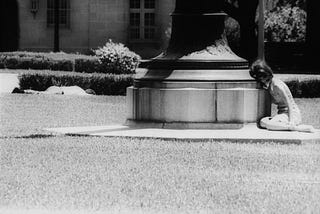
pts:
[260, 69]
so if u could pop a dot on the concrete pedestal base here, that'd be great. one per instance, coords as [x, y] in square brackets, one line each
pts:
[212, 105]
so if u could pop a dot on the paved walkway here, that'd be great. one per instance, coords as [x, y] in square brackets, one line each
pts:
[249, 133]
[8, 82]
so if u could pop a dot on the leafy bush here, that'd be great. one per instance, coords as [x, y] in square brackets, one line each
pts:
[30, 60]
[39, 63]
[111, 84]
[88, 65]
[11, 62]
[118, 59]
[298, 3]
[102, 84]
[2, 60]
[112, 58]
[306, 88]
[61, 65]
[286, 24]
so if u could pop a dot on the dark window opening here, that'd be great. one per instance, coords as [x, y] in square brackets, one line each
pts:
[142, 20]
[149, 4]
[64, 13]
[135, 4]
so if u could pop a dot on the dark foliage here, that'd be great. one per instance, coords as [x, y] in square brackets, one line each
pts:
[305, 89]
[2, 59]
[35, 62]
[116, 58]
[298, 3]
[102, 84]
[61, 65]
[87, 65]
[111, 84]
[69, 62]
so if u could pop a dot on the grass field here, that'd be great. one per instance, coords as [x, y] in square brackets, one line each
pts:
[53, 173]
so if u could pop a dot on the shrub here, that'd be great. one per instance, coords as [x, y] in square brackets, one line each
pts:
[26, 62]
[310, 88]
[111, 84]
[294, 86]
[112, 58]
[118, 59]
[88, 65]
[35, 81]
[61, 65]
[306, 88]
[31, 60]
[286, 24]
[102, 84]
[11, 62]
[39, 63]
[2, 60]
[298, 3]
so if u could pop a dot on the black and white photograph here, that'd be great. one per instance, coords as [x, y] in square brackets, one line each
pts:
[159, 107]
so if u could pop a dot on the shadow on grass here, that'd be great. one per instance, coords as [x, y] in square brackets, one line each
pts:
[32, 136]
[79, 135]
[170, 139]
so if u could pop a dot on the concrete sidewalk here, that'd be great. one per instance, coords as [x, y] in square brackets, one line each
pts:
[8, 82]
[250, 133]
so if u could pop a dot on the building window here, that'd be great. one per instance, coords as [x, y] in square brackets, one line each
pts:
[142, 20]
[150, 4]
[64, 13]
[135, 4]
[135, 25]
[149, 23]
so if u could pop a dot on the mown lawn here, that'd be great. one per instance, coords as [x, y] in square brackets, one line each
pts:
[40, 171]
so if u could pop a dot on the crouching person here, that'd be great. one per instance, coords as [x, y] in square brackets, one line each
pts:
[288, 117]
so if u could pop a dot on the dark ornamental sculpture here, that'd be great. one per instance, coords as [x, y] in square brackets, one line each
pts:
[198, 35]
[197, 82]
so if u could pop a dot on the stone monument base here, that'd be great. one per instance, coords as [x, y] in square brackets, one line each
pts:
[215, 104]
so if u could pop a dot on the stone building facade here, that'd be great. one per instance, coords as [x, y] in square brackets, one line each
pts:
[142, 25]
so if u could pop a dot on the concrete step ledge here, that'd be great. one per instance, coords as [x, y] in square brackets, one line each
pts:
[247, 134]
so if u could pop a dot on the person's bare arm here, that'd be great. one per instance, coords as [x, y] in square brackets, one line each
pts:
[286, 94]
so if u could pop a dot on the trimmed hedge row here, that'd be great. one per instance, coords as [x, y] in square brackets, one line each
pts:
[102, 84]
[111, 84]
[51, 61]
[16, 62]
[88, 65]
[112, 58]
[304, 89]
